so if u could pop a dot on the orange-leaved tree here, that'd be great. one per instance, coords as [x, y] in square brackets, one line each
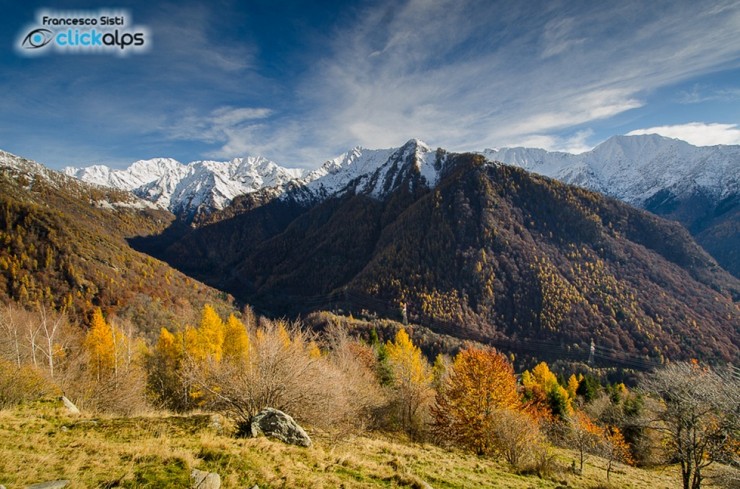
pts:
[614, 448]
[479, 384]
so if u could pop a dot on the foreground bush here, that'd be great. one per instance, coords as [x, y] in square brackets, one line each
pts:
[284, 368]
[20, 384]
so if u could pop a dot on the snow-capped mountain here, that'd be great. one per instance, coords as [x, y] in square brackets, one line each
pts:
[190, 188]
[30, 172]
[696, 186]
[636, 168]
[373, 172]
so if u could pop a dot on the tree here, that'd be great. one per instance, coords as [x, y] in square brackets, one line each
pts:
[51, 325]
[165, 381]
[614, 448]
[412, 379]
[516, 436]
[699, 414]
[236, 341]
[100, 345]
[210, 341]
[544, 393]
[480, 383]
[584, 435]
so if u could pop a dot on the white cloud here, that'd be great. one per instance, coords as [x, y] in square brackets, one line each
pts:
[574, 144]
[233, 128]
[699, 94]
[696, 133]
[466, 75]
[558, 37]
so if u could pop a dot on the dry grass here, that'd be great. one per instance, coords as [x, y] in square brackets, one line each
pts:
[41, 442]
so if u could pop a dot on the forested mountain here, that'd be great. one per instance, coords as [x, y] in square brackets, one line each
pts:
[478, 250]
[696, 186]
[65, 244]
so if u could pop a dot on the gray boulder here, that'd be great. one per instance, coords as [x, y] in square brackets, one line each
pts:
[205, 480]
[276, 424]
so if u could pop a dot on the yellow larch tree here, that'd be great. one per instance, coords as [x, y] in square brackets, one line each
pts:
[211, 333]
[412, 378]
[236, 341]
[100, 346]
[545, 395]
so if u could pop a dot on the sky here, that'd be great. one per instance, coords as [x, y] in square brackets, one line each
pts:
[300, 82]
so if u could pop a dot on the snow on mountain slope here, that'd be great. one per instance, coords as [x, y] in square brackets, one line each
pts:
[373, 172]
[635, 168]
[191, 188]
[630, 168]
[28, 170]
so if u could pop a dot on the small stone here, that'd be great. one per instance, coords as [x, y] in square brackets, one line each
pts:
[70, 406]
[205, 480]
[58, 484]
[216, 423]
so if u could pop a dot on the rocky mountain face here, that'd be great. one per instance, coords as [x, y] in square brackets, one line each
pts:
[472, 248]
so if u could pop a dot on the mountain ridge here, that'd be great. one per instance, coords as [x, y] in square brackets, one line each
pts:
[200, 186]
[490, 252]
[65, 245]
[696, 186]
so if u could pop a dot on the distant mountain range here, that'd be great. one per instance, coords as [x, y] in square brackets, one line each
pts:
[697, 186]
[470, 247]
[473, 249]
[193, 188]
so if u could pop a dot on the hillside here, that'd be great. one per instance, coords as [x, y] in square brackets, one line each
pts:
[491, 252]
[65, 243]
[160, 450]
[696, 186]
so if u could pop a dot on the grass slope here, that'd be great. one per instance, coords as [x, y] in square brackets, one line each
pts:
[41, 442]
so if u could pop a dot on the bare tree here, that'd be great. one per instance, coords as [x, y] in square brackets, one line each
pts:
[10, 323]
[51, 325]
[699, 414]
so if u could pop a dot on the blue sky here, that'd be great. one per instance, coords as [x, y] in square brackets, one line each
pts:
[300, 82]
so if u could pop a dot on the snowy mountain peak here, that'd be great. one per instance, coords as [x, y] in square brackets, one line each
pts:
[199, 186]
[635, 168]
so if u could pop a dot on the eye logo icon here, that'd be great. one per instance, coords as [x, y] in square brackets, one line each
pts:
[37, 38]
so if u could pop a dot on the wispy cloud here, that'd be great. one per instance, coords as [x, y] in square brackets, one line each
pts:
[699, 94]
[575, 143]
[696, 133]
[468, 74]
